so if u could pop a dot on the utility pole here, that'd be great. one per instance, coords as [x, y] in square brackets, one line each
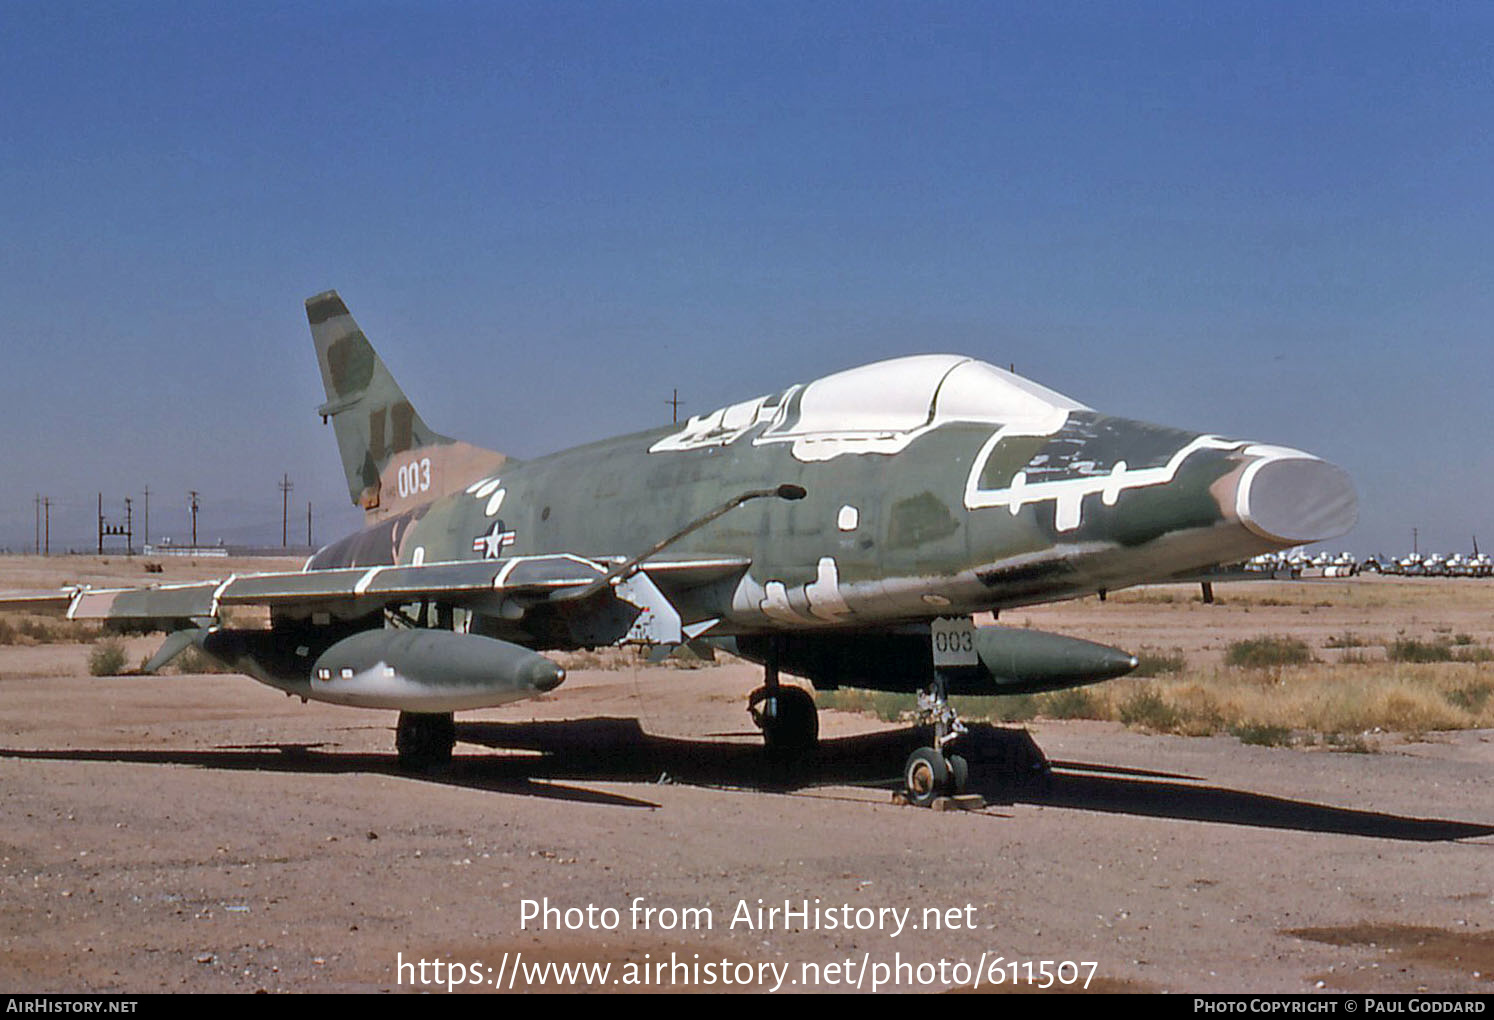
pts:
[47, 507]
[37, 548]
[674, 403]
[145, 538]
[285, 491]
[193, 494]
[101, 524]
[129, 529]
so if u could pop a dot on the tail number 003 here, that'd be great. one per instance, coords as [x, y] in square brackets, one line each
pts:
[414, 478]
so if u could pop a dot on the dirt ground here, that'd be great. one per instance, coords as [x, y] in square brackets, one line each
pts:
[205, 833]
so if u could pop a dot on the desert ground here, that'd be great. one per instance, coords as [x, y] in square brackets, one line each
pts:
[206, 833]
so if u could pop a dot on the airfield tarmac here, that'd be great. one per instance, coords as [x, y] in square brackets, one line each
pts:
[204, 833]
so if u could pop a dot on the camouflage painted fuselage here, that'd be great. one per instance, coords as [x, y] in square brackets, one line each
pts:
[936, 485]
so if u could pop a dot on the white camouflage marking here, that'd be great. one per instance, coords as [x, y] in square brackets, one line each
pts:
[1068, 494]
[724, 425]
[775, 603]
[823, 593]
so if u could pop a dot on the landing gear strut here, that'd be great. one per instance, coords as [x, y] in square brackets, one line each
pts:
[929, 773]
[786, 715]
[424, 740]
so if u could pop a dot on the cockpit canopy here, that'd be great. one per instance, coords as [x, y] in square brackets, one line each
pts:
[878, 408]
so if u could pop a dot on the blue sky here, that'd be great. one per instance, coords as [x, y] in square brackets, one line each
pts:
[1271, 221]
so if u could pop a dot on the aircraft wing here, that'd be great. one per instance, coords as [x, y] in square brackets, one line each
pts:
[476, 584]
[42, 603]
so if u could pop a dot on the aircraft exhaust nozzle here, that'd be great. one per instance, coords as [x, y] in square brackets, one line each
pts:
[1294, 498]
[1022, 661]
[429, 671]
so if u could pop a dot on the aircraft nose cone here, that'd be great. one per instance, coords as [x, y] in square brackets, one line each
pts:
[1293, 497]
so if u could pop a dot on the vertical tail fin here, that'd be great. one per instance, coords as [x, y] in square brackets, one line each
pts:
[392, 459]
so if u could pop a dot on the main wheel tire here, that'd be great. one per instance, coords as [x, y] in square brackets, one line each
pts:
[959, 773]
[925, 776]
[789, 719]
[424, 740]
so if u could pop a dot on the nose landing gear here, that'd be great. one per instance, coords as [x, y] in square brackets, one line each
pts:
[929, 773]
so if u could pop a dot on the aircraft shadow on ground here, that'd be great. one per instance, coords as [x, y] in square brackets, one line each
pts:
[1007, 768]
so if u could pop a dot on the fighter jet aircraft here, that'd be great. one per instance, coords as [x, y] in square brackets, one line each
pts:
[842, 530]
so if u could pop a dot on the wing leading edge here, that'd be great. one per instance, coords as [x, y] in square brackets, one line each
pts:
[478, 585]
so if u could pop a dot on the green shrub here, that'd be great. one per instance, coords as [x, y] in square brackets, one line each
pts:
[1413, 650]
[885, 705]
[1262, 734]
[1073, 703]
[1015, 708]
[1146, 708]
[107, 658]
[1268, 650]
[194, 660]
[1472, 697]
[1440, 650]
[1152, 662]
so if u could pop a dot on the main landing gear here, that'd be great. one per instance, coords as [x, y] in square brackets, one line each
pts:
[929, 773]
[424, 740]
[790, 724]
[786, 715]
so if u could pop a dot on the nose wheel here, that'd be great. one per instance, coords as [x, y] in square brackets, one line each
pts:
[930, 773]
